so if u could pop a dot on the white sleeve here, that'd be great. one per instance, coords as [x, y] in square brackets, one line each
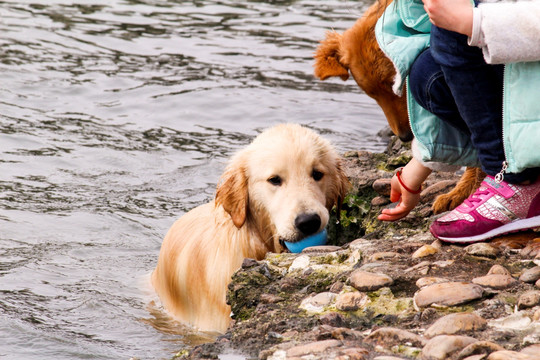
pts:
[510, 31]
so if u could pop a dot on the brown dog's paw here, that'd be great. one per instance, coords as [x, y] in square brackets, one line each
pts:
[447, 202]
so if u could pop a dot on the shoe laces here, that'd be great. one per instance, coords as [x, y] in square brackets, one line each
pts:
[476, 197]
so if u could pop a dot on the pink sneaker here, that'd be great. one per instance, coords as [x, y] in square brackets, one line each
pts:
[494, 209]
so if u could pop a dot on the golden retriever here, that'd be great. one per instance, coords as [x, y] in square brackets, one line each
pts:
[279, 188]
[357, 51]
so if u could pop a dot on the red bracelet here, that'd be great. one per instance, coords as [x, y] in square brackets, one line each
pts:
[398, 174]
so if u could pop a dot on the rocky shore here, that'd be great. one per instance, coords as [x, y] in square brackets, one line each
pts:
[387, 291]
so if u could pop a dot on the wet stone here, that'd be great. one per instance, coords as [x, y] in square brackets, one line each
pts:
[367, 281]
[495, 281]
[531, 275]
[448, 294]
[455, 324]
[529, 299]
[482, 250]
[444, 346]
[351, 301]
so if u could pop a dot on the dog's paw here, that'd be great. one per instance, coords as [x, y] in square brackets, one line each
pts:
[446, 202]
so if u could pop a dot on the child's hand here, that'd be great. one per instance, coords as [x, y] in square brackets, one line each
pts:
[406, 191]
[407, 202]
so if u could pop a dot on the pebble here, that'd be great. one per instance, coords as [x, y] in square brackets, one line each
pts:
[529, 299]
[426, 281]
[498, 269]
[438, 188]
[367, 281]
[448, 294]
[300, 263]
[495, 281]
[317, 303]
[386, 255]
[516, 321]
[422, 268]
[351, 301]
[532, 350]
[537, 284]
[482, 250]
[388, 337]
[380, 201]
[445, 346]
[510, 355]
[382, 186]
[531, 275]
[455, 324]
[424, 251]
[482, 348]
[321, 249]
[312, 348]
[354, 353]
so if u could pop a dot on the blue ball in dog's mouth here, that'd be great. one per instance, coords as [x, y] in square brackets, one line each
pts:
[317, 239]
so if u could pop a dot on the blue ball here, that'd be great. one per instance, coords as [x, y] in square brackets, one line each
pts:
[313, 240]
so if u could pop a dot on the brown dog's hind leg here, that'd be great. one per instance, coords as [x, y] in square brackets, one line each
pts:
[469, 182]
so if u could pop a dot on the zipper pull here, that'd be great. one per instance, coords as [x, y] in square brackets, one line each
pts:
[500, 176]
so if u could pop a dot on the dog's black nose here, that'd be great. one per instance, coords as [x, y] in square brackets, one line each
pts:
[308, 223]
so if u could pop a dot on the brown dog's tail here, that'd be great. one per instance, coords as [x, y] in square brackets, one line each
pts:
[327, 58]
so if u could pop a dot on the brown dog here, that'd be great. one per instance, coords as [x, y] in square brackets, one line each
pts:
[280, 188]
[356, 51]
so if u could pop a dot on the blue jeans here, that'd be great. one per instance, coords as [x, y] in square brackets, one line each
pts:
[452, 80]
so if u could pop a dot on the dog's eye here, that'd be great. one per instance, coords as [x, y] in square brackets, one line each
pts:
[317, 175]
[275, 180]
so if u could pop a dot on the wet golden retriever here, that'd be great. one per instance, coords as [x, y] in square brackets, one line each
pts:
[279, 188]
[357, 52]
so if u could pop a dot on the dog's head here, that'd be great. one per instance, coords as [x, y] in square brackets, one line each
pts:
[356, 51]
[284, 184]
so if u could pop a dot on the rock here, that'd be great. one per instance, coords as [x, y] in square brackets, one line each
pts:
[537, 283]
[424, 251]
[312, 348]
[382, 186]
[388, 337]
[380, 201]
[516, 321]
[531, 275]
[353, 354]
[300, 263]
[270, 298]
[367, 281]
[426, 281]
[351, 301]
[483, 348]
[510, 355]
[422, 268]
[498, 269]
[529, 299]
[440, 187]
[444, 346]
[386, 255]
[384, 357]
[531, 350]
[317, 303]
[455, 324]
[482, 250]
[333, 319]
[495, 281]
[448, 294]
[536, 316]
[321, 249]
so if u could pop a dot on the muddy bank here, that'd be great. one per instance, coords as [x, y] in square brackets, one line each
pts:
[387, 290]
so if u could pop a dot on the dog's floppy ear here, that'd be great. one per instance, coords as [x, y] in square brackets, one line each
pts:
[339, 190]
[328, 58]
[232, 192]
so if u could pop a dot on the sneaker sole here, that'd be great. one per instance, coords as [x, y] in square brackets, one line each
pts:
[515, 226]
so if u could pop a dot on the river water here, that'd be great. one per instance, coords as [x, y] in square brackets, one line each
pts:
[116, 117]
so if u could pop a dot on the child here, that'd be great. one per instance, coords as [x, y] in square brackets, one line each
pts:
[457, 115]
